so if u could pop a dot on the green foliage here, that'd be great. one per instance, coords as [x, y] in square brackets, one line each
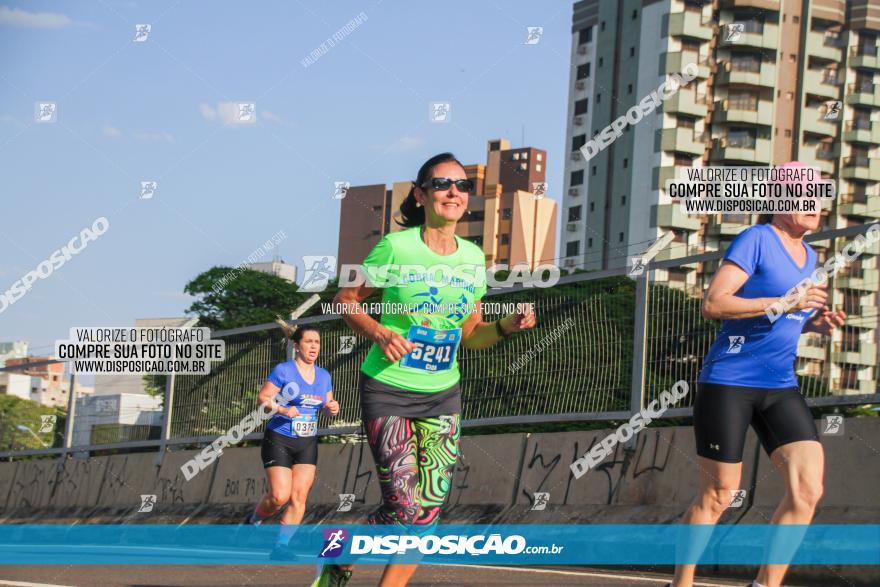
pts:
[244, 297]
[15, 411]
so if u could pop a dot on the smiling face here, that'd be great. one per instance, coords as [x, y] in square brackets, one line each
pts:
[309, 346]
[446, 206]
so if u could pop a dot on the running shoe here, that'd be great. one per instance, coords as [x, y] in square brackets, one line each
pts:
[332, 576]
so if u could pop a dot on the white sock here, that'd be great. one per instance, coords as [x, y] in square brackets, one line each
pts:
[756, 584]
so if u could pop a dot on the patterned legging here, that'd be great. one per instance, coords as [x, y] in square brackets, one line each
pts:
[415, 458]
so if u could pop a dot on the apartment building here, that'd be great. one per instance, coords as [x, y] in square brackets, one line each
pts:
[777, 80]
[512, 222]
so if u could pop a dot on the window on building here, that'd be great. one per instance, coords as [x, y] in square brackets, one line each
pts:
[625, 163]
[505, 239]
[525, 155]
[742, 100]
[523, 166]
[580, 107]
[682, 160]
[623, 200]
[788, 133]
[629, 88]
[632, 51]
[635, 14]
[572, 248]
[601, 61]
[620, 237]
[539, 156]
[516, 156]
[538, 167]
[598, 98]
[585, 36]
[593, 170]
[795, 19]
[741, 138]
[506, 214]
[685, 122]
[592, 206]
[690, 46]
[477, 240]
[577, 177]
[602, 26]
[574, 213]
[590, 243]
[476, 216]
[583, 71]
[578, 142]
[748, 62]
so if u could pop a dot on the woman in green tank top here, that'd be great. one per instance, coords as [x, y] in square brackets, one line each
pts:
[432, 282]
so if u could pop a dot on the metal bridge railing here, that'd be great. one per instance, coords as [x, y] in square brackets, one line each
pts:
[606, 346]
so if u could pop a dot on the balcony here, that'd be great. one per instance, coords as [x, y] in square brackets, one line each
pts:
[724, 229]
[862, 94]
[865, 355]
[675, 61]
[681, 140]
[863, 57]
[749, 150]
[731, 112]
[858, 279]
[690, 24]
[761, 4]
[811, 347]
[819, 157]
[857, 387]
[662, 174]
[764, 76]
[823, 83]
[825, 45]
[813, 120]
[687, 102]
[672, 216]
[862, 131]
[763, 37]
[860, 205]
[861, 167]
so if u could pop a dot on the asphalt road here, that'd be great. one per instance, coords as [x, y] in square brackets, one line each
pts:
[277, 575]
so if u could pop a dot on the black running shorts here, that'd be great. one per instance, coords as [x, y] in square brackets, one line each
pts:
[722, 414]
[278, 450]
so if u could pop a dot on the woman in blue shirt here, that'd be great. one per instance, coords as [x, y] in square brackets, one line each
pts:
[290, 443]
[748, 376]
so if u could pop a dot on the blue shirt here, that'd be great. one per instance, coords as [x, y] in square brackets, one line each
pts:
[308, 399]
[753, 352]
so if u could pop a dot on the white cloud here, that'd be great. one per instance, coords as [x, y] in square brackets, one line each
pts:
[401, 145]
[208, 113]
[8, 119]
[17, 17]
[154, 136]
[227, 113]
[110, 131]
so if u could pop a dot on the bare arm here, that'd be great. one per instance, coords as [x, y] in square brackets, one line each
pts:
[477, 334]
[393, 345]
[721, 303]
[267, 396]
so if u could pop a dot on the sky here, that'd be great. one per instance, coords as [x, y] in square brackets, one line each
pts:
[160, 110]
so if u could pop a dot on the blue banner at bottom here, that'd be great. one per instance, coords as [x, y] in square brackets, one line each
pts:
[523, 544]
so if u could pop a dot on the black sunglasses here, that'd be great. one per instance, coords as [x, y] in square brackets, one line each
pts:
[444, 183]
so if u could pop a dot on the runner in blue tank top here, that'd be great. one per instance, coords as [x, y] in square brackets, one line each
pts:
[748, 376]
[299, 389]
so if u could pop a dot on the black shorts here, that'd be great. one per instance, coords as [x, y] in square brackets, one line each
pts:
[278, 450]
[722, 414]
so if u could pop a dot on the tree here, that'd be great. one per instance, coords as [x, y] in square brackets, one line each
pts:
[231, 298]
[15, 412]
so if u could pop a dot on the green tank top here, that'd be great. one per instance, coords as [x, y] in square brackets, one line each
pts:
[433, 295]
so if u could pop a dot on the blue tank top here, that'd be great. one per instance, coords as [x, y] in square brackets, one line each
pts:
[753, 352]
[308, 399]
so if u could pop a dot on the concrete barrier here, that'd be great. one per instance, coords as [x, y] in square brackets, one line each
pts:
[488, 469]
[77, 482]
[126, 478]
[240, 477]
[7, 476]
[32, 485]
[171, 487]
